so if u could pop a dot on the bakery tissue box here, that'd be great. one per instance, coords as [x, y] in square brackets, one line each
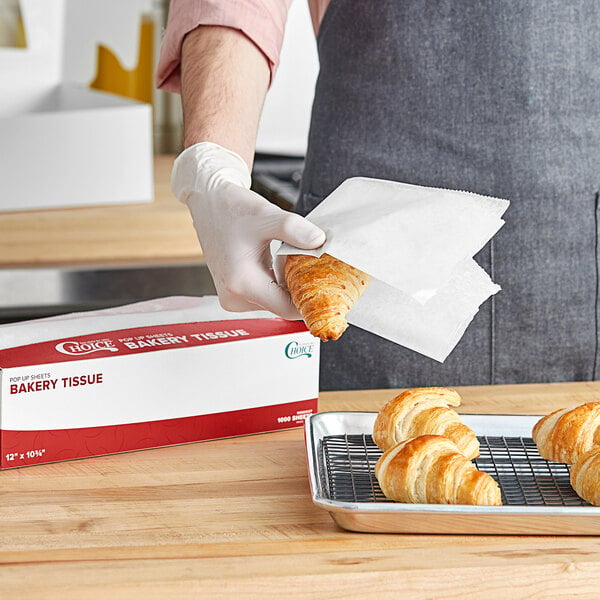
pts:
[156, 373]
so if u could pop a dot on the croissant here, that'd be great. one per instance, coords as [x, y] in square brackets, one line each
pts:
[566, 434]
[430, 469]
[585, 476]
[323, 290]
[421, 411]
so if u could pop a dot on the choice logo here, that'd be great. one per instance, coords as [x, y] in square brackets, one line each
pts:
[78, 348]
[296, 350]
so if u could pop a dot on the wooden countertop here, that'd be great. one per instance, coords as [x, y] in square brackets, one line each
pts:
[159, 232]
[234, 519]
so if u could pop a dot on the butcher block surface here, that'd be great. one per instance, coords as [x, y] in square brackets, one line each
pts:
[157, 232]
[234, 518]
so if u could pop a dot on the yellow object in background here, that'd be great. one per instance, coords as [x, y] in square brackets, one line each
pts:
[136, 83]
[12, 31]
[20, 37]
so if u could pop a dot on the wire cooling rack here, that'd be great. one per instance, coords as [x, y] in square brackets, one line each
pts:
[524, 477]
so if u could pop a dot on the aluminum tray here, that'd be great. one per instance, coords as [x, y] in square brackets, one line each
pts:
[536, 494]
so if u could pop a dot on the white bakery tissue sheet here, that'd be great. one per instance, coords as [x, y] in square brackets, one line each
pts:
[417, 243]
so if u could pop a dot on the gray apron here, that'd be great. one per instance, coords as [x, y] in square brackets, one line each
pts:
[498, 97]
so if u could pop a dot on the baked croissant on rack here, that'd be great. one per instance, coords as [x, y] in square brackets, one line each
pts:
[323, 290]
[566, 434]
[585, 476]
[430, 469]
[421, 411]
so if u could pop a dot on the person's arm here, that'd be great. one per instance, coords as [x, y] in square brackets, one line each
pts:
[224, 80]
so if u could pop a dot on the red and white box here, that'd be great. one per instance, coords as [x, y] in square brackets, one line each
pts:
[175, 375]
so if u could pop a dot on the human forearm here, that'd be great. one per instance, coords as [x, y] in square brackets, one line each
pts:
[224, 81]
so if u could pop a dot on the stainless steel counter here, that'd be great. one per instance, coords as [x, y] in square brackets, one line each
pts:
[31, 293]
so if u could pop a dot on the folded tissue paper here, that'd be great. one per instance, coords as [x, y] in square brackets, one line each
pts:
[417, 244]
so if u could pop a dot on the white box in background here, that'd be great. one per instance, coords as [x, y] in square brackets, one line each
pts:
[61, 143]
[148, 386]
[285, 119]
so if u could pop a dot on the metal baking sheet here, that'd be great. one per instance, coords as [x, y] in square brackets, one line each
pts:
[536, 494]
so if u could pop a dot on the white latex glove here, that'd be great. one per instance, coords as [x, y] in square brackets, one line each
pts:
[235, 227]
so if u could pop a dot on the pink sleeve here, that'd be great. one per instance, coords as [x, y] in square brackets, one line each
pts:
[262, 21]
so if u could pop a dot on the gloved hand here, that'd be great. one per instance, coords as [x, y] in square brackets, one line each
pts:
[235, 227]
